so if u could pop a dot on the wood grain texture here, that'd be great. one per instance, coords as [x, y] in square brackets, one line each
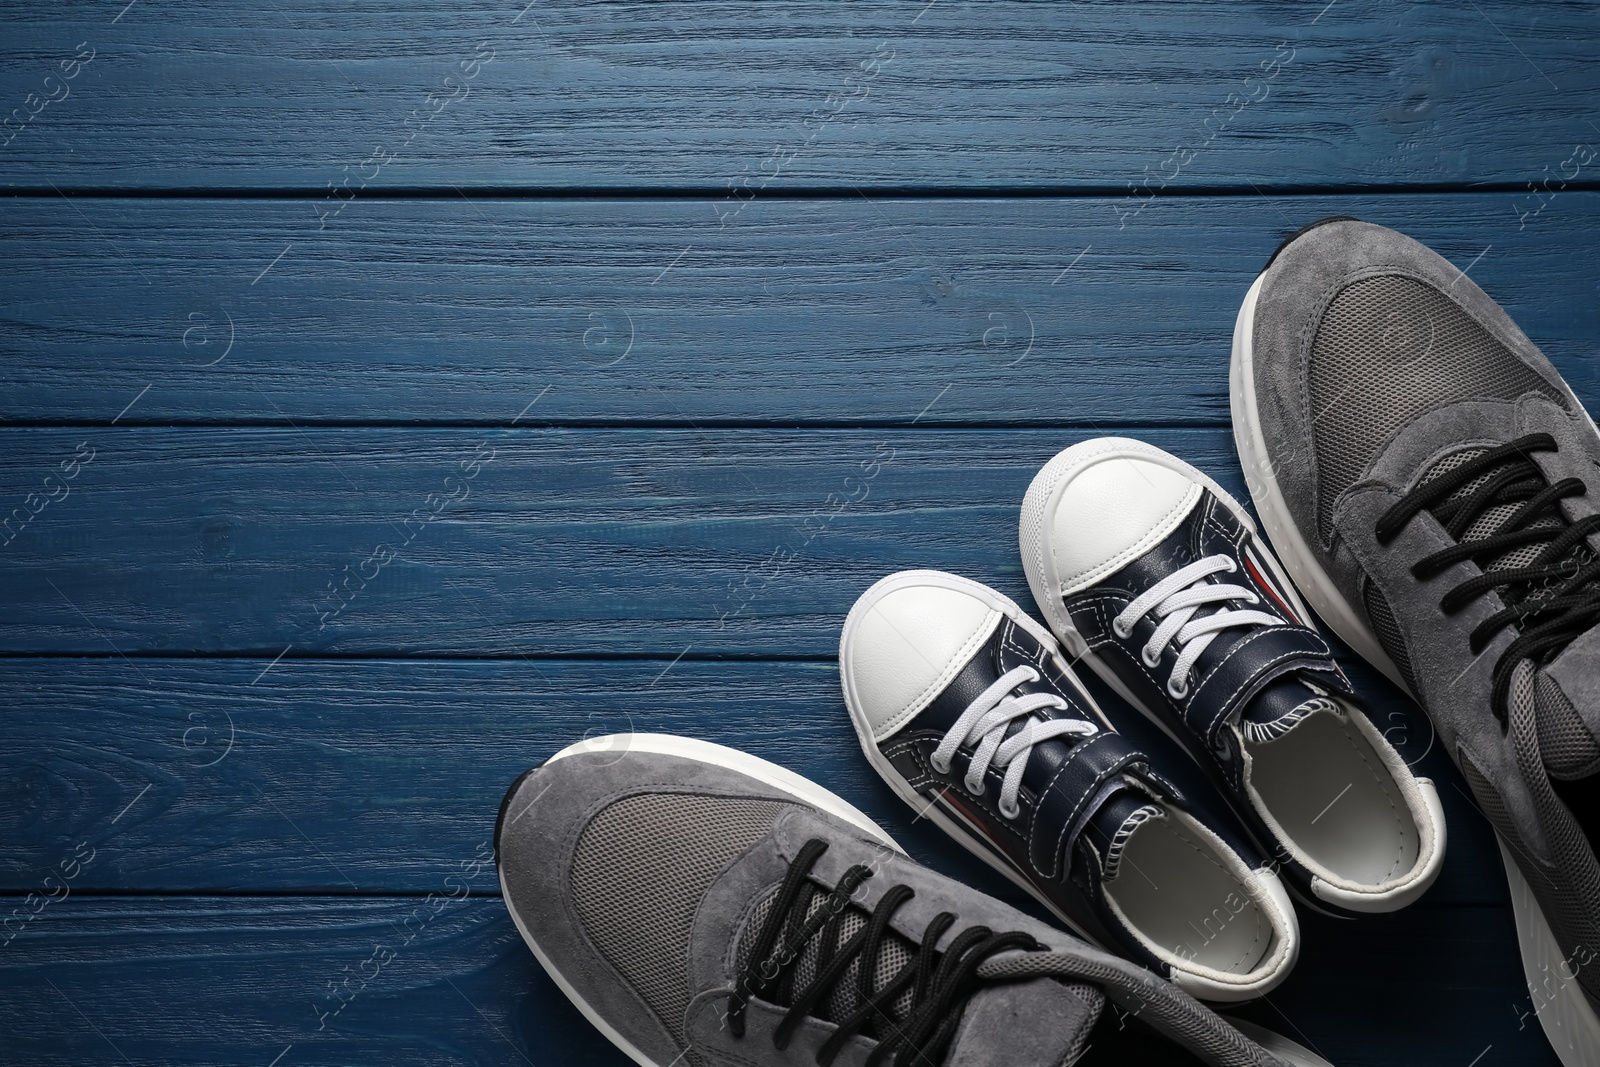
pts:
[372, 776]
[748, 543]
[835, 311]
[218, 980]
[627, 95]
[380, 443]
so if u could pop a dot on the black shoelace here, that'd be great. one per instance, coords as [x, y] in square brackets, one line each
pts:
[1551, 599]
[941, 982]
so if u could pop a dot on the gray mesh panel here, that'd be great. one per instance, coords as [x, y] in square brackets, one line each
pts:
[1518, 557]
[893, 957]
[638, 872]
[844, 1000]
[752, 926]
[1451, 462]
[1569, 750]
[1489, 523]
[1388, 349]
[1492, 518]
[1488, 797]
[895, 951]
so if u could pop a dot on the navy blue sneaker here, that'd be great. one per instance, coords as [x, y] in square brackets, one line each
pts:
[1155, 576]
[968, 710]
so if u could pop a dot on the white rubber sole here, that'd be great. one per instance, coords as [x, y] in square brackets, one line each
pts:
[1195, 985]
[1569, 1020]
[802, 789]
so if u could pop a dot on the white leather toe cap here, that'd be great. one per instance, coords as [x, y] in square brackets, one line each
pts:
[905, 639]
[1109, 503]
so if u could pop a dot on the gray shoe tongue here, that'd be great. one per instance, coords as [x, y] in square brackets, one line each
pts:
[1281, 705]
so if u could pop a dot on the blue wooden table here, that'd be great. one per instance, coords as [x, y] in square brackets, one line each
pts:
[394, 392]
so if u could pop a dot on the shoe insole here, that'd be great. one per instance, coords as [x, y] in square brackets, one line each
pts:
[1175, 891]
[1336, 801]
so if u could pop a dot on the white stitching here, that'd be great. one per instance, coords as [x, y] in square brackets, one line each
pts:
[1195, 698]
[1076, 808]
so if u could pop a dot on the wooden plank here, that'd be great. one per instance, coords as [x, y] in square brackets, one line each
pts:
[300, 93]
[350, 542]
[255, 978]
[836, 311]
[374, 776]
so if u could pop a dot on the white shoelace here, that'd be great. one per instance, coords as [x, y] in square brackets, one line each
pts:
[985, 722]
[1175, 600]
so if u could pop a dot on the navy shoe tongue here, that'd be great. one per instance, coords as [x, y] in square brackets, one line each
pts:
[1110, 826]
[1278, 708]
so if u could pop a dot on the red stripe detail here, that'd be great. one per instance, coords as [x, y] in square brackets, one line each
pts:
[1267, 588]
[969, 815]
[972, 821]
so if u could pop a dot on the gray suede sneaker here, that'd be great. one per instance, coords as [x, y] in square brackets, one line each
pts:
[1422, 472]
[703, 906]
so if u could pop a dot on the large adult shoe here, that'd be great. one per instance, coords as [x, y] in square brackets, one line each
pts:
[1152, 573]
[1433, 487]
[706, 908]
[967, 709]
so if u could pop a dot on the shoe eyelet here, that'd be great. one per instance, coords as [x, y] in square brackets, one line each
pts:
[1232, 565]
[1149, 659]
[1119, 628]
[942, 768]
[1012, 812]
[977, 792]
[1179, 690]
